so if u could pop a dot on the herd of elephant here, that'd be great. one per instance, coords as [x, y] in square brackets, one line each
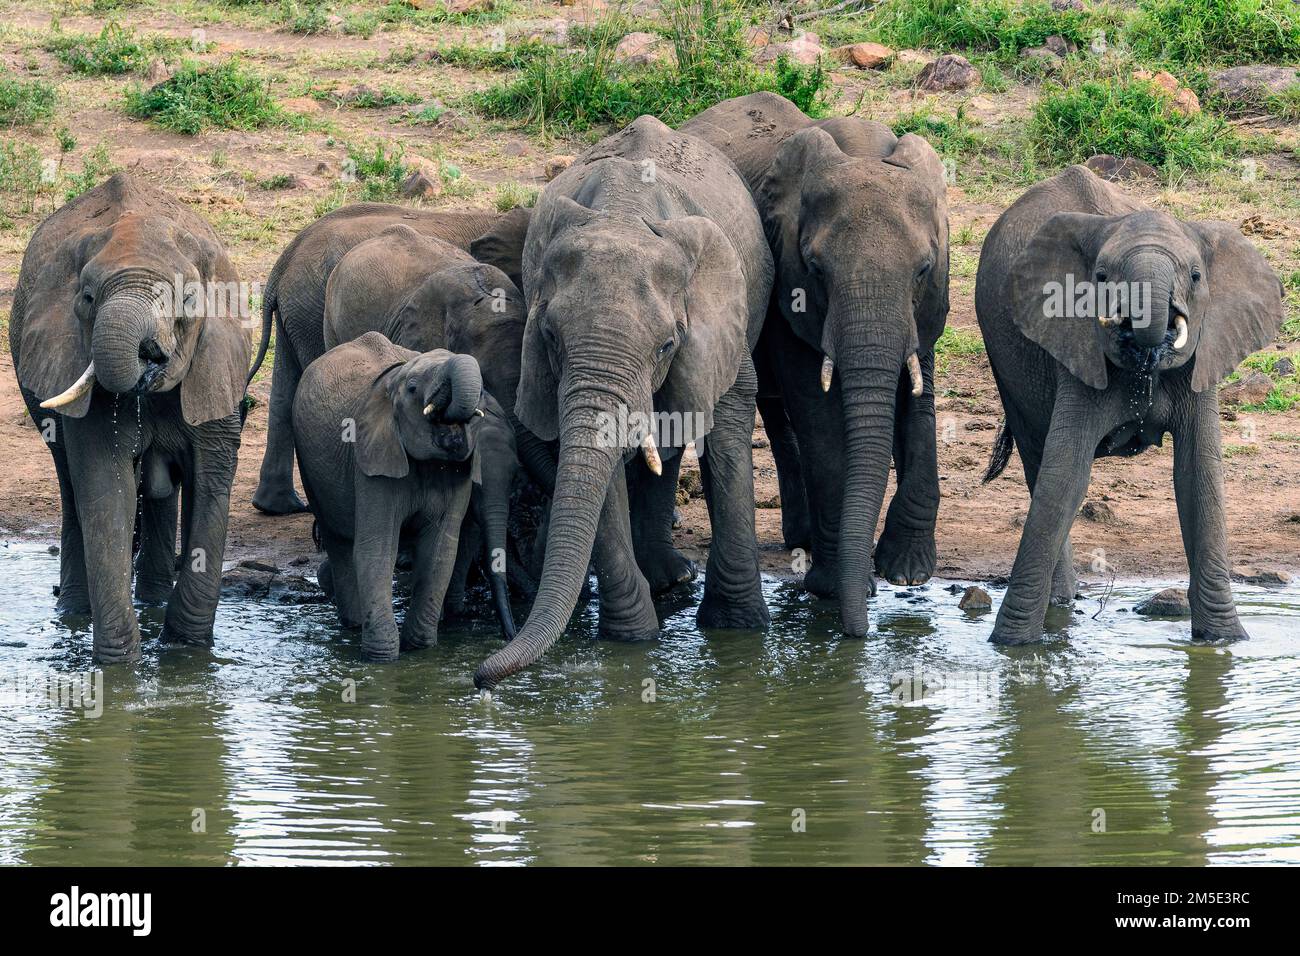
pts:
[428, 363]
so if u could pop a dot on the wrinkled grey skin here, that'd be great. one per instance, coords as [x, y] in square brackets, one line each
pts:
[858, 225]
[425, 294]
[163, 415]
[402, 472]
[647, 277]
[1074, 390]
[294, 301]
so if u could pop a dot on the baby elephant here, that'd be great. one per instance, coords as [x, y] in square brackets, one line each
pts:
[1108, 324]
[386, 443]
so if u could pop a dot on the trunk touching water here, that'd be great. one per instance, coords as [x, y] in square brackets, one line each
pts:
[581, 483]
[1156, 274]
[126, 324]
[869, 355]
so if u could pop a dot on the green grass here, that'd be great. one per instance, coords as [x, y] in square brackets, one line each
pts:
[951, 136]
[305, 18]
[225, 95]
[1291, 290]
[379, 171]
[1286, 388]
[577, 91]
[113, 51]
[1127, 118]
[956, 343]
[511, 56]
[1217, 31]
[509, 195]
[25, 102]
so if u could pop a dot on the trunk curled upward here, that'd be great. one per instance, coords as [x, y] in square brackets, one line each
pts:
[456, 396]
[1156, 273]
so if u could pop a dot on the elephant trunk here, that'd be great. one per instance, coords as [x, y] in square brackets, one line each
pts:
[495, 519]
[466, 382]
[124, 343]
[1154, 272]
[869, 358]
[587, 461]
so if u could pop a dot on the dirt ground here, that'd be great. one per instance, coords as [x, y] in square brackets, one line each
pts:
[1132, 523]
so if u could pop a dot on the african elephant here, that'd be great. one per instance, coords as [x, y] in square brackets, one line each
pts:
[1108, 324]
[423, 293]
[294, 302]
[386, 439]
[647, 277]
[858, 225]
[132, 357]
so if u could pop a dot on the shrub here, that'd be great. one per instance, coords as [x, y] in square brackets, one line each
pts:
[1127, 118]
[114, 51]
[1201, 31]
[196, 97]
[380, 172]
[24, 102]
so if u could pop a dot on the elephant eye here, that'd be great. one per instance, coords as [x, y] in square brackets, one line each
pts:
[410, 387]
[1196, 275]
[924, 270]
[665, 348]
[1101, 275]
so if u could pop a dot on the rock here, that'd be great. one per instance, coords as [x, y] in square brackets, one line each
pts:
[470, 6]
[1250, 84]
[1186, 102]
[1116, 170]
[253, 564]
[1251, 389]
[644, 49]
[1171, 602]
[912, 58]
[975, 599]
[251, 581]
[1047, 56]
[690, 484]
[419, 185]
[865, 56]
[805, 49]
[760, 443]
[553, 32]
[1269, 577]
[1097, 511]
[515, 148]
[756, 37]
[1054, 47]
[771, 501]
[1284, 368]
[949, 72]
[556, 165]
[1060, 6]
[157, 72]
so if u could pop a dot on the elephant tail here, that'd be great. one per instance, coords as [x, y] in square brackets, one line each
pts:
[269, 305]
[1003, 445]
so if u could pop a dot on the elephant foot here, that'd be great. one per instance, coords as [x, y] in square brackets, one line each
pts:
[822, 579]
[418, 642]
[1014, 637]
[905, 558]
[665, 568]
[1228, 633]
[172, 634]
[379, 650]
[72, 601]
[153, 591]
[627, 634]
[278, 501]
[126, 652]
[325, 578]
[720, 613]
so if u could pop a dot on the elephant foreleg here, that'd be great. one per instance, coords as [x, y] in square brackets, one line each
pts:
[100, 448]
[435, 558]
[905, 553]
[73, 593]
[733, 593]
[1198, 489]
[374, 554]
[1061, 483]
[653, 498]
[626, 611]
[207, 479]
[796, 522]
[275, 494]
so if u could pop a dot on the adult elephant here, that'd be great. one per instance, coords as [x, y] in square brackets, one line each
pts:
[424, 294]
[294, 301]
[647, 277]
[858, 225]
[1108, 324]
[132, 357]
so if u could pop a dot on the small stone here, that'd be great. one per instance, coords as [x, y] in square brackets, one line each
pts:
[1097, 511]
[975, 599]
[1251, 389]
[1060, 6]
[1171, 602]
[769, 502]
[1116, 170]
[644, 49]
[361, 93]
[949, 72]
[515, 148]
[760, 443]
[1284, 368]
[556, 165]
[756, 37]
[418, 185]
[1268, 577]
[1059, 45]
[52, 549]
[255, 564]
[804, 49]
[157, 72]
[865, 56]
[1186, 102]
[1254, 82]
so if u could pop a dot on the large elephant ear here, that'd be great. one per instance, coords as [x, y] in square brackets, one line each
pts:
[1065, 246]
[1245, 303]
[717, 318]
[503, 245]
[380, 453]
[537, 398]
[53, 350]
[917, 156]
[214, 384]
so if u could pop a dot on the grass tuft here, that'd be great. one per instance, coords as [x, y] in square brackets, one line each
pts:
[225, 95]
[1201, 32]
[25, 102]
[114, 51]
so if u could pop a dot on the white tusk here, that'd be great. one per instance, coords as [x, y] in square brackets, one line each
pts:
[1108, 322]
[1181, 325]
[428, 410]
[479, 413]
[651, 453]
[80, 387]
[828, 369]
[914, 368]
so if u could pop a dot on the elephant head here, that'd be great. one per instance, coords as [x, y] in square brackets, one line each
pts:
[427, 408]
[139, 305]
[858, 226]
[1150, 293]
[630, 319]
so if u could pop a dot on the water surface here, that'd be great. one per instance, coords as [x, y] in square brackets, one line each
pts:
[1118, 742]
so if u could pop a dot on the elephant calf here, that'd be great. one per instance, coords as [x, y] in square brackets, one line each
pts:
[386, 442]
[1109, 324]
